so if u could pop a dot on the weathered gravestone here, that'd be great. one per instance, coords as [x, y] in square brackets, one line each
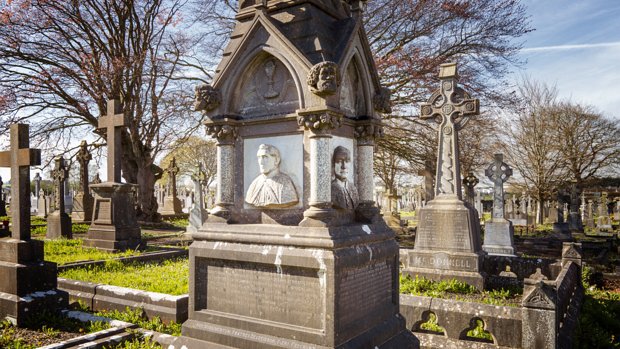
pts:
[27, 282]
[114, 226]
[560, 227]
[294, 255]
[447, 242]
[617, 209]
[42, 205]
[59, 222]
[172, 204]
[603, 226]
[589, 214]
[2, 201]
[498, 232]
[83, 200]
[197, 215]
[470, 182]
[575, 224]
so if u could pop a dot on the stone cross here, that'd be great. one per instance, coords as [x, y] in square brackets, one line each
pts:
[113, 123]
[172, 170]
[59, 175]
[83, 157]
[470, 182]
[19, 158]
[449, 105]
[498, 172]
[603, 210]
[37, 184]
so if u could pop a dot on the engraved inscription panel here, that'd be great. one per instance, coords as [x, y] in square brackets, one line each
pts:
[444, 230]
[364, 291]
[103, 211]
[292, 296]
[443, 261]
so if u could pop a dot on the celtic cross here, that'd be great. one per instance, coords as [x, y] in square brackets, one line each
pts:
[449, 105]
[498, 172]
[83, 157]
[59, 174]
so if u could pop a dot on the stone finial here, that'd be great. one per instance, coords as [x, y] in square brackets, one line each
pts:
[321, 122]
[324, 78]
[97, 179]
[382, 101]
[207, 98]
[508, 273]
[538, 275]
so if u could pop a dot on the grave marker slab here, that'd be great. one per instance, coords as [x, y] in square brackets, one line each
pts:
[172, 204]
[83, 200]
[603, 226]
[197, 215]
[28, 282]
[575, 224]
[59, 222]
[499, 233]
[447, 242]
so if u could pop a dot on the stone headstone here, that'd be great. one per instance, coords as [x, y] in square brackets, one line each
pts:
[277, 187]
[470, 181]
[498, 232]
[617, 209]
[575, 224]
[561, 227]
[603, 225]
[83, 200]
[114, 226]
[42, 207]
[172, 204]
[197, 215]
[28, 281]
[589, 214]
[59, 222]
[447, 242]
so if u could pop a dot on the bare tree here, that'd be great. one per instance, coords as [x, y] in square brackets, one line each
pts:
[530, 142]
[589, 143]
[61, 60]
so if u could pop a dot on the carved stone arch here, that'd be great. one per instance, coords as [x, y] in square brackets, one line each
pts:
[355, 96]
[475, 323]
[265, 84]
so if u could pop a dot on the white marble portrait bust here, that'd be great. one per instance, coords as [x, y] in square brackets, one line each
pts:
[272, 188]
[344, 192]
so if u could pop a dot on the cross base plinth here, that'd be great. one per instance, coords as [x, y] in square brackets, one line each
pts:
[114, 225]
[498, 238]
[82, 208]
[29, 283]
[58, 226]
[172, 206]
[273, 286]
[447, 243]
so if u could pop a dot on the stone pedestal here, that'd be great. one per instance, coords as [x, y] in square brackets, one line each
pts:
[270, 286]
[28, 282]
[82, 208]
[172, 206]
[58, 225]
[114, 226]
[447, 243]
[498, 238]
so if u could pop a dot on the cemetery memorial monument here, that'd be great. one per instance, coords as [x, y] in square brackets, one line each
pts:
[172, 204]
[470, 182]
[575, 224]
[83, 200]
[28, 282]
[59, 222]
[198, 215]
[284, 261]
[114, 226]
[447, 242]
[603, 224]
[499, 232]
[560, 227]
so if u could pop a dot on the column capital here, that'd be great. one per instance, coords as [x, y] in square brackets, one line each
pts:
[319, 122]
[225, 131]
[367, 132]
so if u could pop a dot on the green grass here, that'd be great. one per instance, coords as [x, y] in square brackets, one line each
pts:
[458, 290]
[170, 276]
[431, 325]
[63, 251]
[178, 222]
[140, 342]
[479, 332]
[138, 317]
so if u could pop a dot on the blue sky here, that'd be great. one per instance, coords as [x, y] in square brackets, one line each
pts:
[576, 46]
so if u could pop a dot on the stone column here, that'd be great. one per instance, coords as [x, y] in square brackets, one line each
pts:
[366, 134]
[318, 125]
[225, 133]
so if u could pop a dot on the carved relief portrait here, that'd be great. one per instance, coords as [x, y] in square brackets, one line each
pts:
[272, 188]
[323, 78]
[344, 192]
[206, 98]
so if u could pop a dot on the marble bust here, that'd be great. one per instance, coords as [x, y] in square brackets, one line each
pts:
[344, 193]
[272, 188]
